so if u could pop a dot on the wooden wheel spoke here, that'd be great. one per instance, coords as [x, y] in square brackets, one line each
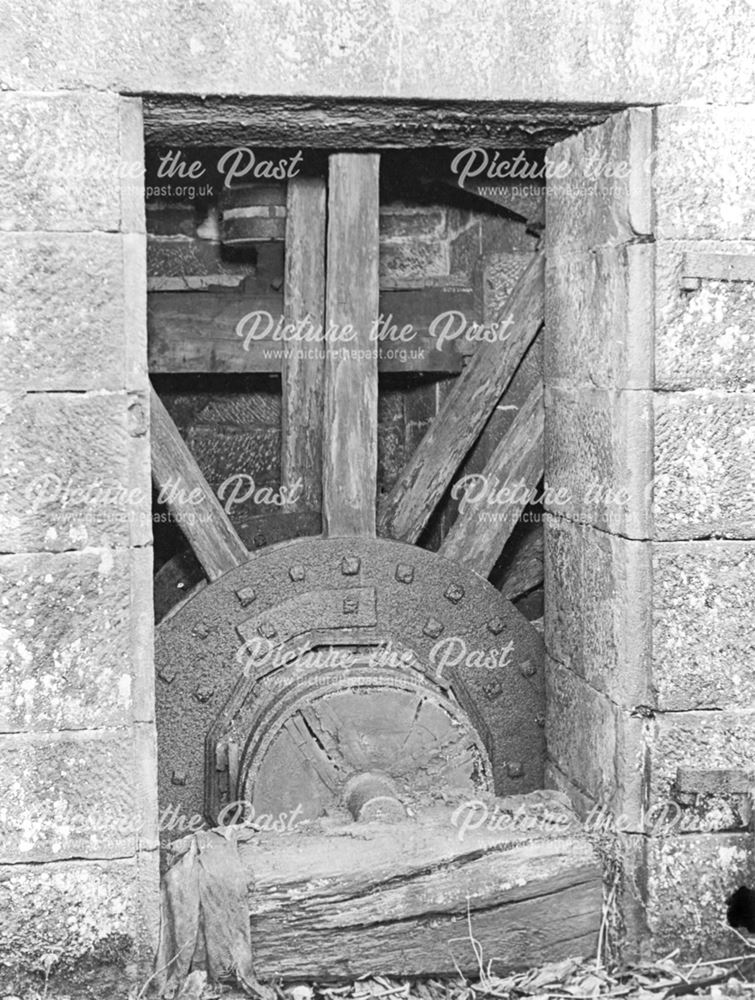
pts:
[303, 363]
[350, 429]
[190, 499]
[515, 468]
[407, 508]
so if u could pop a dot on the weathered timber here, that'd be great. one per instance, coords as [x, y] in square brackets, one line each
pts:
[213, 332]
[404, 898]
[335, 123]
[406, 509]
[494, 500]
[351, 304]
[525, 571]
[210, 331]
[303, 372]
[189, 498]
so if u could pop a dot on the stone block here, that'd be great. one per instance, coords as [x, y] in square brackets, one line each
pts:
[62, 167]
[598, 594]
[598, 747]
[703, 645]
[598, 454]
[76, 911]
[704, 338]
[77, 640]
[704, 482]
[697, 740]
[413, 260]
[599, 185]
[131, 149]
[688, 879]
[599, 318]
[625, 53]
[77, 795]
[77, 471]
[703, 176]
[404, 222]
[69, 311]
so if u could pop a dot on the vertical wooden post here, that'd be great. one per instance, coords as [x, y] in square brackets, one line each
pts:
[303, 365]
[351, 310]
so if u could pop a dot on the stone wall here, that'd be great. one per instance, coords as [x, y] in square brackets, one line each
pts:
[649, 558]
[78, 855]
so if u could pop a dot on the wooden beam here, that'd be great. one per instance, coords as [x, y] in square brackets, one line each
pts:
[190, 499]
[404, 897]
[525, 571]
[346, 123]
[303, 370]
[350, 432]
[211, 331]
[496, 498]
[464, 412]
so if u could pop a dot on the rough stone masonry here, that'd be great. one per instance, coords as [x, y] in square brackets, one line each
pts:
[647, 622]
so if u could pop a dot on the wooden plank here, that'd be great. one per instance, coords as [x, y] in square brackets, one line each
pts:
[719, 266]
[525, 571]
[344, 123]
[303, 372]
[464, 412]
[212, 332]
[208, 331]
[351, 386]
[189, 498]
[496, 499]
[401, 898]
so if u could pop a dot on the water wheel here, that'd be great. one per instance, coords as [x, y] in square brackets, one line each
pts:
[349, 673]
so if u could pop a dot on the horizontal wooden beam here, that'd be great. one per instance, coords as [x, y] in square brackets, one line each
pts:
[404, 897]
[407, 508]
[206, 331]
[338, 123]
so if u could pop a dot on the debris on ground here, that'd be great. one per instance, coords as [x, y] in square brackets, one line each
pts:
[570, 979]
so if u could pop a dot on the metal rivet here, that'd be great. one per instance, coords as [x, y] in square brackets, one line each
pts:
[527, 669]
[496, 625]
[296, 573]
[267, 630]
[433, 628]
[178, 778]
[350, 565]
[515, 769]
[201, 631]
[454, 592]
[167, 673]
[404, 573]
[350, 605]
[203, 693]
[492, 689]
[246, 595]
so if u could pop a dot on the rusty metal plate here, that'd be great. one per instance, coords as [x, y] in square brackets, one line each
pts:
[460, 635]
